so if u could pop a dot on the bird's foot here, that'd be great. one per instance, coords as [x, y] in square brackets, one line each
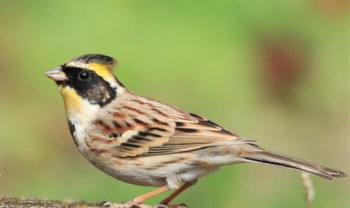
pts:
[136, 204]
[130, 204]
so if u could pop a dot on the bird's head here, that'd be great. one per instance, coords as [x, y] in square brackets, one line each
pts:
[87, 78]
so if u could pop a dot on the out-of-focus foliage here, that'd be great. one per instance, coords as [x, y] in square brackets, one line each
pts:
[276, 71]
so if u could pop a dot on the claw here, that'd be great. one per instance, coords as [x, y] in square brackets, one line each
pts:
[136, 204]
[161, 206]
[105, 204]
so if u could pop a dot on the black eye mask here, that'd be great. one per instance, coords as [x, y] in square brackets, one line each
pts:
[89, 85]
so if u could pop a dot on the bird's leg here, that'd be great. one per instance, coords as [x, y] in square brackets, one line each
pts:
[140, 199]
[177, 192]
[136, 202]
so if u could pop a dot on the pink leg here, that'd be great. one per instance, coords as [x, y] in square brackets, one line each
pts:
[177, 192]
[140, 199]
[137, 202]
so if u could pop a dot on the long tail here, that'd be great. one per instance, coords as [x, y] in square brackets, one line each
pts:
[278, 159]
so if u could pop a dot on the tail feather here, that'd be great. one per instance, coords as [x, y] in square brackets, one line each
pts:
[278, 159]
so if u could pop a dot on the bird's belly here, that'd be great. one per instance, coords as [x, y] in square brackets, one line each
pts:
[150, 171]
[128, 170]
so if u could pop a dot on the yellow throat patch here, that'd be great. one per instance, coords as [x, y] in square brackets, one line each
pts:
[72, 101]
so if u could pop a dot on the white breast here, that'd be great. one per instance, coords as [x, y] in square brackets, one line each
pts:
[82, 120]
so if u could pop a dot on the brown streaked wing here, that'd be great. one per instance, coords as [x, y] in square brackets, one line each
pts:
[150, 132]
[190, 136]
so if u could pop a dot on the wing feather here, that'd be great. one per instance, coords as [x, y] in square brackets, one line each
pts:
[147, 128]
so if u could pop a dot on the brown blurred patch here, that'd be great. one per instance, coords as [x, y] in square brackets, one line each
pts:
[331, 8]
[283, 62]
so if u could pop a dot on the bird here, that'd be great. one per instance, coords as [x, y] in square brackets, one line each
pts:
[141, 141]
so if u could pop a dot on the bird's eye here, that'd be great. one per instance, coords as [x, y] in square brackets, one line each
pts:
[84, 76]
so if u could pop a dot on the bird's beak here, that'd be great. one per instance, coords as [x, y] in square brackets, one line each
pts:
[56, 74]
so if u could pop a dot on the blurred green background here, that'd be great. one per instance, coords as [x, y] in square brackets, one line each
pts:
[276, 71]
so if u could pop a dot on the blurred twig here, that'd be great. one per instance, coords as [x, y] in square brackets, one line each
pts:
[309, 189]
[12, 202]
